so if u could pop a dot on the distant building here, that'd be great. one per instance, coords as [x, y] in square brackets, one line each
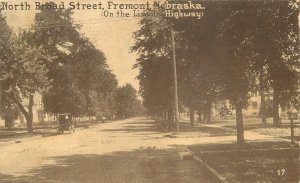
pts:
[224, 110]
[254, 104]
[38, 111]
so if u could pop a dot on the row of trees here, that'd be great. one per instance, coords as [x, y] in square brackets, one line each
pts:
[52, 58]
[237, 47]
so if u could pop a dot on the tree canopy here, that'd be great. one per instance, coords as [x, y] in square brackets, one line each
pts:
[221, 56]
[55, 60]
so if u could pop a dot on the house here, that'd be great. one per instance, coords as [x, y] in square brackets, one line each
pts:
[38, 111]
[223, 109]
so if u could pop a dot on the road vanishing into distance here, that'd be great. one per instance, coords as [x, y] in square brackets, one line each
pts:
[128, 151]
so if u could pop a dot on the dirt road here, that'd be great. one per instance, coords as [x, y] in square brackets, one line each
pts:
[130, 151]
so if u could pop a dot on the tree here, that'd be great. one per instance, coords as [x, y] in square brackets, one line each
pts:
[199, 73]
[222, 56]
[263, 47]
[94, 79]
[273, 47]
[54, 31]
[25, 74]
[127, 104]
[236, 75]
[153, 43]
[82, 83]
[8, 111]
[285, 54]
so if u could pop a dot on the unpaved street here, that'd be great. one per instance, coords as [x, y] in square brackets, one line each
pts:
[132, 150]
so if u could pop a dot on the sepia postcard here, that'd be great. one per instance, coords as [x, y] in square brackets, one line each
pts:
[149, 91]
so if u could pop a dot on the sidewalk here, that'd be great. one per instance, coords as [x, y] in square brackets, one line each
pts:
[47, 129]
[250, 132]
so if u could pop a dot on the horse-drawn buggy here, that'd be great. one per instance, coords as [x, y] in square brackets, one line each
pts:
[65, 123]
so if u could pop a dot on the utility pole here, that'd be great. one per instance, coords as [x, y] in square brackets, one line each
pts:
[175, 85]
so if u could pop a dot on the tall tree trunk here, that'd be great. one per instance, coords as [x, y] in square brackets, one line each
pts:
[276, 120]
[239, 124]
[263, 108]
[1, 95]
[192, 116]
[8, 123]
[171, 119]
[207, 112]
[30, 114]
[163, 115]
[200, 116]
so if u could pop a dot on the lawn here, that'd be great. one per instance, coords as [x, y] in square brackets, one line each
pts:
[204, 130]
[253, 162]
[255, 124]
[279, 132]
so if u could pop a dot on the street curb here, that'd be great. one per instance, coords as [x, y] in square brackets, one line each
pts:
[214, 175]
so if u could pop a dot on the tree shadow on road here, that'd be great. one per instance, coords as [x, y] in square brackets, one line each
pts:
[145, 127]
[139, 166]
[135, 127]
[210, 131]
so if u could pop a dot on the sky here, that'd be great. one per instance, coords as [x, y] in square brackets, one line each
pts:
[113, 36]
